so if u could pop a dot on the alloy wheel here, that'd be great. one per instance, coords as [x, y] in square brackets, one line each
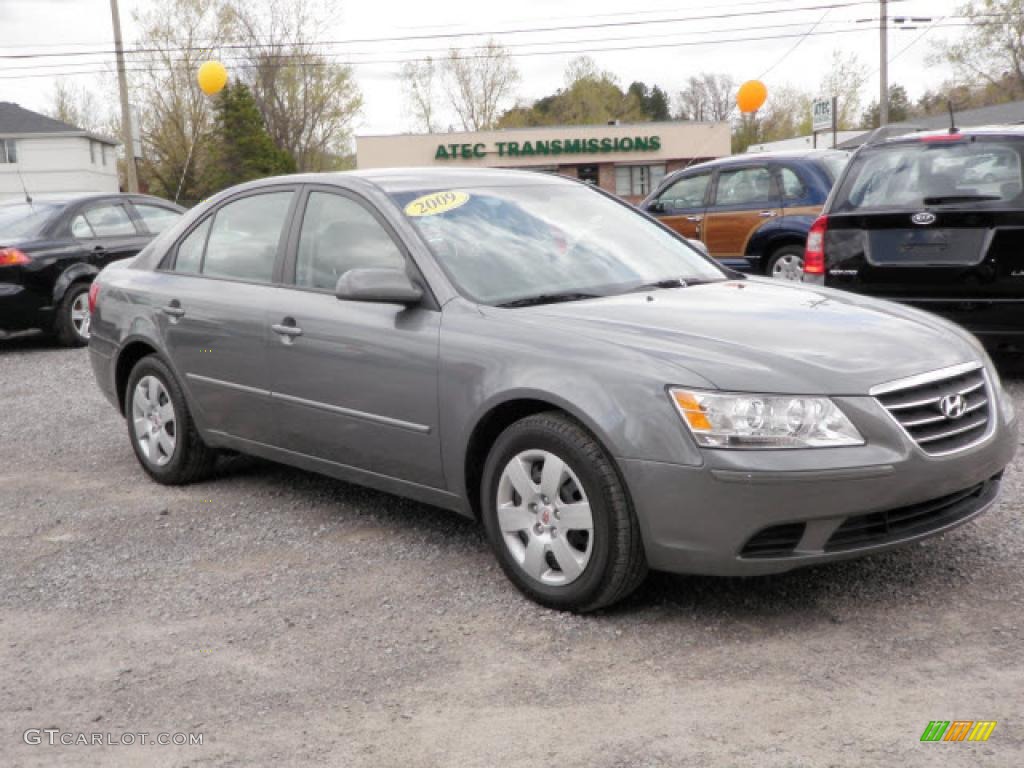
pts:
[80, 317]
[545, 518]
[155, 424]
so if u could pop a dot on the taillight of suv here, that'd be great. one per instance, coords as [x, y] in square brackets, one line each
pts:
[814, 254]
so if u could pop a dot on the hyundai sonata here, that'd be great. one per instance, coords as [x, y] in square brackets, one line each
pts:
[540, 356]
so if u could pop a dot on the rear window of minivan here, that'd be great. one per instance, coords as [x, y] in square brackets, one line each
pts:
[967, 171]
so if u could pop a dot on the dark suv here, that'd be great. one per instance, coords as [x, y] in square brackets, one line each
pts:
[752, 212]
[50, 250]
[935, 220]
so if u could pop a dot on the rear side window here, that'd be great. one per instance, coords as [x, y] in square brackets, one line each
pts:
[240, 240]
[913, 175]
[109, 221]
[792, 187]
[744, 186]
[338, 234]
[156, 218]
[686, 193]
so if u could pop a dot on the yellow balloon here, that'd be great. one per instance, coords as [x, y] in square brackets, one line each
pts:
[751, 96]
[212, 77]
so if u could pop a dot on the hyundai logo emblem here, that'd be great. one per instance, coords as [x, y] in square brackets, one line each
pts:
[924, 218]
[953, 406]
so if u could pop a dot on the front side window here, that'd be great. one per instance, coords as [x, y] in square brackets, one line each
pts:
[511, 243]
[155, 218]
[744, 186]
[110, 221]
[685, 193]
[245, 237]
[338, 234]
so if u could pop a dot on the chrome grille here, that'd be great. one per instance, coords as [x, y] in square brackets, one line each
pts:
[917, 405]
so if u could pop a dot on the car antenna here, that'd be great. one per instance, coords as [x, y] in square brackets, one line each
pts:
[28, 197]
[952, 119]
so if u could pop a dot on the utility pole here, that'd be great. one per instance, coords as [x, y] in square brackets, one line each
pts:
[126, 117]
[883, 65]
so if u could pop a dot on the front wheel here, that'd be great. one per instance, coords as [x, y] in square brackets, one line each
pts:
[558, 517]
[161, 429]
[787, 263]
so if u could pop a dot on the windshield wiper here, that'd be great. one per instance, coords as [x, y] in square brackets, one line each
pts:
[959, 199]
[670, 282]
[548, 298]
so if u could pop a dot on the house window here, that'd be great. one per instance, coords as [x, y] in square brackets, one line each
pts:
[637, 180]
[92, 152]
[103, 153]
[8, 151]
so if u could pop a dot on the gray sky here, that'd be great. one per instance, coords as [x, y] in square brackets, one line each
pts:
[46, 26]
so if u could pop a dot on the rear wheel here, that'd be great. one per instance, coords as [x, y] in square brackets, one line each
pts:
[71, 325]
[160, 426]
[786, 263]
[558, 517]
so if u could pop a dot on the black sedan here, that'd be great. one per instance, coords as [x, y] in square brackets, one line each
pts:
[51, 250]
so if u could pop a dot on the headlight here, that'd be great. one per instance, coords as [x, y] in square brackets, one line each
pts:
[736, 420]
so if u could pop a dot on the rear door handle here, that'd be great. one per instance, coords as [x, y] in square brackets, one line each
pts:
[98, 249]
[767, 214]
[174, 309]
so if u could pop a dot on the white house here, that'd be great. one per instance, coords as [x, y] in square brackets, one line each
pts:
[46, 158]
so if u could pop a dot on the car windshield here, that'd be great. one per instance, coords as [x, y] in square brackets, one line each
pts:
[960, 171]
[513, 243]
[21, 220]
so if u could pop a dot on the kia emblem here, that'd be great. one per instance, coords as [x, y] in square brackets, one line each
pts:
[924, 218]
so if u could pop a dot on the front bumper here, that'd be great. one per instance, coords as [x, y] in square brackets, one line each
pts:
[757, 512]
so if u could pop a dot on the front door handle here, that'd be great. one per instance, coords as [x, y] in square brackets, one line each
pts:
[767, 214]
[174, 309]
[695, 218]
[288, 329]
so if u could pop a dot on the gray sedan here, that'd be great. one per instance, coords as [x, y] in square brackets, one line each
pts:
[535, 354]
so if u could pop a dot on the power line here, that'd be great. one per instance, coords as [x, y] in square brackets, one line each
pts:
[483, 33]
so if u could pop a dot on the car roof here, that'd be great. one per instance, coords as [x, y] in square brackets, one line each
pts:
[1009, 131]
[794, 154]
[63, 202]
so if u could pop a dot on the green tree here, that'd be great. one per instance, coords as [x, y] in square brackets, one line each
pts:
[590, 97]
[653, 101]
[241, 149]
[900, 108]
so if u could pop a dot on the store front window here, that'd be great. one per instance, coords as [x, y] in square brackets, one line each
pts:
[587, 173]
[637, 180]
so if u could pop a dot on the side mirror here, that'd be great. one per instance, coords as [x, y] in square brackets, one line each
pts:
[656, 206]
[382, 286]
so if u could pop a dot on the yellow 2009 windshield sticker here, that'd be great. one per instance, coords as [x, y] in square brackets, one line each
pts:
[436, 202]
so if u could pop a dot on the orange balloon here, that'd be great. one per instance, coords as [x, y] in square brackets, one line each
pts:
[751, 96]
[212, 77]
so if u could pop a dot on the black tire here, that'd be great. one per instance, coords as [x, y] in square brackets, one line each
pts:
[63, 324]
[192, 459]
[779, 254]
[617, 564]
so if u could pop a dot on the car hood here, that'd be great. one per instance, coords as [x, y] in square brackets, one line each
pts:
[765, 335]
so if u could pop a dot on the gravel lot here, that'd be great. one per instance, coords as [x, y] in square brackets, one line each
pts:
[294, 620]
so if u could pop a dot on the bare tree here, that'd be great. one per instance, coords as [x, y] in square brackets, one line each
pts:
[991, 48]
[176, 116]
[478, 82]
[418, 82]
[308, 101]
[707, 97]
[78, 106]
[845, 80]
